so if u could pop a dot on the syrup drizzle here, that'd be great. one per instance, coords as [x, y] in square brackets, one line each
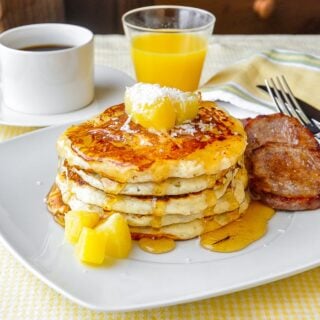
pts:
[157, 246]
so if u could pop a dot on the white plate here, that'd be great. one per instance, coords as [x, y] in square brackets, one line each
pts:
[109, 88]
[27, 170]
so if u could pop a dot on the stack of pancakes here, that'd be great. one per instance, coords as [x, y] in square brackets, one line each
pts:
[177, 184]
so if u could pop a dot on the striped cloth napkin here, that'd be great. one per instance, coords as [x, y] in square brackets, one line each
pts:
[237, 83]
[9, 132]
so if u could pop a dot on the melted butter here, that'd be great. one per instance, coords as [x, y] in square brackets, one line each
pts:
[210, 225]
[160, 172]
[211, 180]
[160, 189]
[220, 155]
[110, 202]
[118, 187]
[217, 221]
[121, 175]
[159, 207]
[161, 245]
[251, 226]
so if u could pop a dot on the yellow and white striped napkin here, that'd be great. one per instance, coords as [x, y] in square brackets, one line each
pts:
[237, 83]
[8, 132]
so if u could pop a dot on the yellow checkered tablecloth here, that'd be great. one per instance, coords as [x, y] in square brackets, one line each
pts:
[23, 296]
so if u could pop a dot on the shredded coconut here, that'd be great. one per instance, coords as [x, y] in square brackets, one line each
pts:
[191, 127]
[144, 142]
[185, 128]
[142, 94]
[174, 134]
[126, 126]
[156, 132]
[205, 126]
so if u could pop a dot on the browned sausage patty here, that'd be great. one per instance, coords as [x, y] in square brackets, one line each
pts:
[283, 160]
[278, 128]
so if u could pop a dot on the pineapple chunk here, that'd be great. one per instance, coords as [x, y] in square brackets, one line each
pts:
[160, 108]
[91, 246]
[187, 108]
[117, 234]
[158, 115]
[76, 220]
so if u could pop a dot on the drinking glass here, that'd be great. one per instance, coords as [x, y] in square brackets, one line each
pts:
[169, 44]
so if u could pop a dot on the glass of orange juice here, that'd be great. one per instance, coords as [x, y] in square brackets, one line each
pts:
[169, 44]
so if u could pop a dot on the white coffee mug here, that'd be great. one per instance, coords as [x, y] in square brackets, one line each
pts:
[49, 81]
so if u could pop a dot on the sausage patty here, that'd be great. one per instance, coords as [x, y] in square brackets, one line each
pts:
[283, 161]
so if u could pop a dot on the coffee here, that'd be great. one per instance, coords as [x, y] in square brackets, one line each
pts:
[46, 47]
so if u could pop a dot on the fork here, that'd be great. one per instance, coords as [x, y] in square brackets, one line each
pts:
[287, 104]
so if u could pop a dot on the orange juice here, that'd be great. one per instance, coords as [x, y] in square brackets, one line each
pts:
[169, 59]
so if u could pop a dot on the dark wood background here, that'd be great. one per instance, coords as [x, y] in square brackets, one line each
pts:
[104, 16]
[233, 16]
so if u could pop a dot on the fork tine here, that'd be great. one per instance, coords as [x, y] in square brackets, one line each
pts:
[271, 94]
[278, 100]
[300, 112]
[289, 104]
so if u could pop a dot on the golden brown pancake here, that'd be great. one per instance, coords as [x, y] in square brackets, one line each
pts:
[71, 184]
[169, 187]
[117, 148]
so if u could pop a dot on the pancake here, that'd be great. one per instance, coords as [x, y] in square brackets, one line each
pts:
[231, 196]
[171, 186]
[116, 148]
[71, 184]
[184, 204]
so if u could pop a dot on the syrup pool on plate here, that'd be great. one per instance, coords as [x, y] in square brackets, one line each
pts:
[251, 226]
[157, 246]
